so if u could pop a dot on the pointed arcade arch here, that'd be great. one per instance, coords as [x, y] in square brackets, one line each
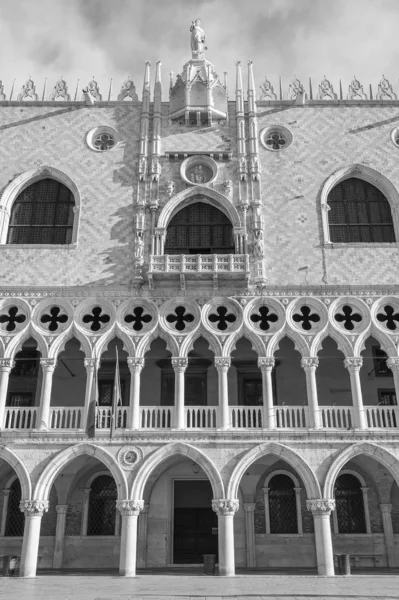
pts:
[22, 473]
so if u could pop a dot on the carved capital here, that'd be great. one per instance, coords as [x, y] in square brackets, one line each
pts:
[179, 364]
[91, 363]
[48, 364]
[353, 363]
[266, 363]
[225, 507]
[130, 508]
[6, 364]
[325, 207]
[222, 363]
[249, 507]
[309, 363]
[393, 363]
[62, 509]
[135, 364]
[34, 508]
[320, 506]
[386, 509]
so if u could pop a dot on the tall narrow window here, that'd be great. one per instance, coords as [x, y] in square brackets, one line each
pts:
[359, 212]
[199, 229]
[102, 506]
[282, 505]
[42, 214]
[349, 505]
[15, 518]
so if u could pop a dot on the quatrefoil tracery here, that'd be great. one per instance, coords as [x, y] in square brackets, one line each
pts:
[348, 318]
[138, 318]
[96, 318]
[222, 318]
[54, 318]
[306, 318]
[180, 318]
[389, 317]
[264, 317]
[12, 318]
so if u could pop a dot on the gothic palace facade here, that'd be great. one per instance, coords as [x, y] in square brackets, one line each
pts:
[239, 252]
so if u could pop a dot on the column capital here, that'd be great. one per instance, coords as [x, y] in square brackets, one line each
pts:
[91, 363]
[62, 509]
[266, 363]
[225, 507]
[222, 363]
[85, 491]
[386, 509]
[130, 508]
[179, 364]
[48, 364]
[393, 363]
[353, 363]
[6, 364]
[309, 363]
[320, 506]
[249, 507]
[34, 508]
[6, 492]
[135, 364]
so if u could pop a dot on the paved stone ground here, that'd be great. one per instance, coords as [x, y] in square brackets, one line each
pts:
[196, 587]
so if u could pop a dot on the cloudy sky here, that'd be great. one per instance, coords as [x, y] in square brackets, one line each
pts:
[113, 38]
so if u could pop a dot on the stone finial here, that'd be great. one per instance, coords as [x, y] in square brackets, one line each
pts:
[197, 40]
[326, 90]
[60, 91]
[28, 91]
[267, 91]
[128, 90]
[2, 94]
[92, 89]
[355, 91]
[295, 89]
[385, 91]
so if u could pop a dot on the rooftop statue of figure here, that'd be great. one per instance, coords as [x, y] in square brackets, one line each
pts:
[197, 39]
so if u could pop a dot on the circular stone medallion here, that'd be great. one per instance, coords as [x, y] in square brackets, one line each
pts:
[129, 457]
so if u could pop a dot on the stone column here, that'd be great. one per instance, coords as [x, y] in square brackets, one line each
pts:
[3, 520]
[130, 510]
[266, 365]
[133, 416]
[366, 508]
[85, 510]
[6, 364]
[321, 509]
[309, 365]
[142, 538]
[179, 365]
[48, 365]
[225, 509]
[267, 512]
[249, 509]
[222, 365]
[393, 364]
[298, 509]
[34, 510]
[62, 510]
[354, 364]
[386, 510]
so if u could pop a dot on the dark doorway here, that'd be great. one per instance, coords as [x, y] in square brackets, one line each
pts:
[195, 523]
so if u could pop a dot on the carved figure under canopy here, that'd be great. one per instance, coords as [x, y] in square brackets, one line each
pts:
[197, 38]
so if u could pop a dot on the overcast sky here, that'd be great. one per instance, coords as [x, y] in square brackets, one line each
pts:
[113, 38]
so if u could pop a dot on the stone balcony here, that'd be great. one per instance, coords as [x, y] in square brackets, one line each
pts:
[210, 267]
[204, 417]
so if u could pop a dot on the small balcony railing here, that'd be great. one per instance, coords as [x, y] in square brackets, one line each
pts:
[21, 418]
[199, 263]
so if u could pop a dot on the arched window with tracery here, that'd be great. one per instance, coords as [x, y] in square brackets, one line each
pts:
[282, 505]
[102, 506]
[199, 229]
[43, 213]
[15, 519]
[349, 504]
[359, 212]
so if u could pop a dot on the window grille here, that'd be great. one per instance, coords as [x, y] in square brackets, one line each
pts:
[349, 505]
[359, 213]
[102, 506]
[42, 214]
[20, 399]
[15, 518]
[387, 398]
[282, 505]
[199, 229]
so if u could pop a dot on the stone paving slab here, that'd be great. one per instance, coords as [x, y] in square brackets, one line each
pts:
[177, 587]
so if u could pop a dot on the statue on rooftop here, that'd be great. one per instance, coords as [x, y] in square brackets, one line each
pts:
[197, 39]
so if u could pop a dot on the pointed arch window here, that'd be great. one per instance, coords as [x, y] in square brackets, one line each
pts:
[359, 212]
[102, 506]
[15, 520]
[350, 505]
[43, 213]
[282, 505]
[199, 229]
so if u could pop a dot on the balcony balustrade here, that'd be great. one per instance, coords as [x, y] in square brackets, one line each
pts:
[203, 417]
